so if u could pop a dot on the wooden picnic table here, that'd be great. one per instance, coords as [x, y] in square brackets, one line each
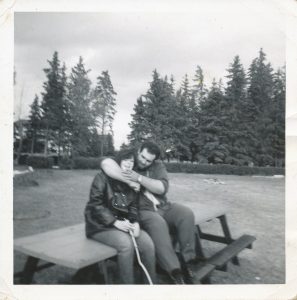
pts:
[69, 247]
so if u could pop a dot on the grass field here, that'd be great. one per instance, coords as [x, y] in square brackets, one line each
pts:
[256, 206]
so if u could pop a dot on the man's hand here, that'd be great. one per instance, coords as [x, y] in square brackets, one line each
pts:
[130, 175]
[123, 225]
[155, 186]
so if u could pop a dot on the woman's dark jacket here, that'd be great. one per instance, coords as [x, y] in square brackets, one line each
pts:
[99, 214]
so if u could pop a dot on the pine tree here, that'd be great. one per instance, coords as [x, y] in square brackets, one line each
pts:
[199, 90]
[278, 117]
[35, 122]
[79, 106]
[234, 128]
[153, 114]
[213, 140]
[53, 102]
[258, 110]
[198, 94]
[183, 122]
[64, 134]
[140, 126]
[104, 106]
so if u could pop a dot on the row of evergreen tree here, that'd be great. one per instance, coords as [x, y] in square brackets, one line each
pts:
[74, 117]
[241, 123]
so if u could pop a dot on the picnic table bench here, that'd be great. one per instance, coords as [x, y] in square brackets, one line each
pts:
[70, 248]
[205, 213]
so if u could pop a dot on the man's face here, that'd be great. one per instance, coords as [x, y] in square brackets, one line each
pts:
[145, 159]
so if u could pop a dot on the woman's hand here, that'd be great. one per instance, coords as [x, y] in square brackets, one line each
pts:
[136, 229]
[123, 225]
[134, 185]
[130, 175]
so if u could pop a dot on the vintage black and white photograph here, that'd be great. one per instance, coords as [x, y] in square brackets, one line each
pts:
[149, 147]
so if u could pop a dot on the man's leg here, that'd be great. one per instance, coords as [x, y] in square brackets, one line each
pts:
[147, 253]
[157, 228]
[182, 220]
[122, 242]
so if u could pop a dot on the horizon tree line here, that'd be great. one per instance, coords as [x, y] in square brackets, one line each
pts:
[241, 122]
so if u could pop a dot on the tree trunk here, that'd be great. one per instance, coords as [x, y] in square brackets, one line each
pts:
[33, 143]
[21, 142]
[46, 140]
[59, 143]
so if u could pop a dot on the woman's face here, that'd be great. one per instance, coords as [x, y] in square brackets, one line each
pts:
[127, 164]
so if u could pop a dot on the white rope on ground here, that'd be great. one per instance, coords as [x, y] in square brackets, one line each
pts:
[139, 260]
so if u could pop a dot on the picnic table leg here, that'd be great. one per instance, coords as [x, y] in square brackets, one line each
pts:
[199, 251]
[225, 227]
[103, 269]
[87, 275]
[29, 270]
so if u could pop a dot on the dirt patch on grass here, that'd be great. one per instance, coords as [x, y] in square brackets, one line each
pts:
[256, 206]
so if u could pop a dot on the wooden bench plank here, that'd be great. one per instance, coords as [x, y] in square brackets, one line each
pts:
[204, 271]
[70, 248]
[222, 257]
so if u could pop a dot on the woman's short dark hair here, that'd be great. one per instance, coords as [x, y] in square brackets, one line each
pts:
[125, 154]
[151, 147]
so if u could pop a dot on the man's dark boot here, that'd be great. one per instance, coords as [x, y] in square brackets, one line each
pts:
[177, 277]
[189, 272]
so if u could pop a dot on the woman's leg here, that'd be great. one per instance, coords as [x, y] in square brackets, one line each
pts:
[147, 253]
[122, 242]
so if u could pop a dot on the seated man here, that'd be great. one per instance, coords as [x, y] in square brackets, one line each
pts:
[159, 216]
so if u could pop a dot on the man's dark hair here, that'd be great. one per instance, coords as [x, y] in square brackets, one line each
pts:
[125, 154]
[151, 147]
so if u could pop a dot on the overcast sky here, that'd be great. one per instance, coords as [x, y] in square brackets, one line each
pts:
[131, 45]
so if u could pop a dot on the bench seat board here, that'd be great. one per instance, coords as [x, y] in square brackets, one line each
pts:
[66, 247]
[204, 271]
[220, 258]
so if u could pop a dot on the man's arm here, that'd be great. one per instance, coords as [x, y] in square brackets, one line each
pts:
[155, 186]
[156, 182]
[113, 170]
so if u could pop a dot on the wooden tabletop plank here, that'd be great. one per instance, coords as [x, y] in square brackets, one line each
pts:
[48, 235]
[204, 213]
[67, 246]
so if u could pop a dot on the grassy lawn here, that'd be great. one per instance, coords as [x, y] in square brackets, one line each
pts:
[256, 206]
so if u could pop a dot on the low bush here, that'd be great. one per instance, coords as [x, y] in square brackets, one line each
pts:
[86, 163]
[222, 169]
[65, 162]
[23, 159]
[94, 163]
[40, 161]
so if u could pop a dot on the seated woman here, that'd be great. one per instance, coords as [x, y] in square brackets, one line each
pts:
[107, 223]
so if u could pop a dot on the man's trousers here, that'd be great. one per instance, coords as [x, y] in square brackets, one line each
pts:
[178, 220]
